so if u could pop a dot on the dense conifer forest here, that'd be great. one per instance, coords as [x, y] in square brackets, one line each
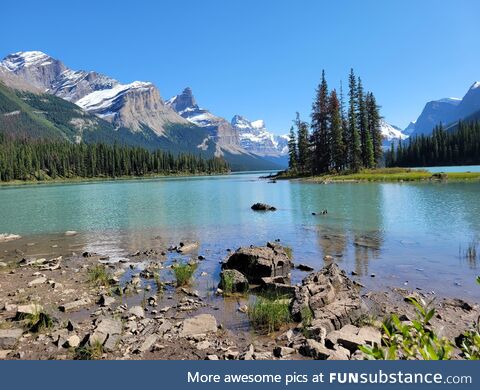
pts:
[26, 159]
[339, 138]
[460, 146]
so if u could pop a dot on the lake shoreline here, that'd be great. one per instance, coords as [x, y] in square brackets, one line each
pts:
[81, 180]
[381, 175]
[150, 319]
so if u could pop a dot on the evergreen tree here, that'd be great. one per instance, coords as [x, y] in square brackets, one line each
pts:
[303, 144]
[320, 129]
[292, 150]
[365, 136]
[373, 113]
[336, 130]
[354, 146]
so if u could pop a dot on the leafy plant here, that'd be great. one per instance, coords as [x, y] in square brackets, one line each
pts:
[470, 340]
[269, 312]
[414, 340]
[183, 273]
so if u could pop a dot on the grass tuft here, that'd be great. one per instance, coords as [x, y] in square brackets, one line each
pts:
[94, 351]
[183, 273]
[98, 275]
[38, 321]
[269, 313]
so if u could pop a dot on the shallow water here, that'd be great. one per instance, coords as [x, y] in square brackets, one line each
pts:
[411, 235]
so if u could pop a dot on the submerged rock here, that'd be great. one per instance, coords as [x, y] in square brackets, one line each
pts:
[258, 262]
[187, 247]
[201, 324]
[4, 237]
[262, 207]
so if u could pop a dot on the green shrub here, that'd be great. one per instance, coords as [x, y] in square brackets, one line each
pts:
[413, 340]
[269, 313]
[183, 273]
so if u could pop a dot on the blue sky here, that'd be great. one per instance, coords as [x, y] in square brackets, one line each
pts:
[262, 59]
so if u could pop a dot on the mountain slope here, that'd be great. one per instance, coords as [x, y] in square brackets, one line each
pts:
[133, 105]
[446, 111]
[255, 137]
[24, 114]
[90, 107]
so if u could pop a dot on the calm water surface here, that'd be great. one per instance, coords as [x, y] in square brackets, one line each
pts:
[411, 235]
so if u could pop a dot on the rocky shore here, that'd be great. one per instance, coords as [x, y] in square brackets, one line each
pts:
[81, 306]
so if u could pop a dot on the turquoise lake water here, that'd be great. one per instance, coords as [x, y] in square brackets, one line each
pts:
[411, 235]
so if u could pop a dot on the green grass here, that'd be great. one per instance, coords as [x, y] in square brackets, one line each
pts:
[38, 321]
[93, 351]
[98, 275]
[269, 313]
[183, 273]
[227, 283]
[387, 175]
[289, 252]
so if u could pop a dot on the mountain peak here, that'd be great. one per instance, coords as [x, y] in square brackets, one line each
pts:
[23, 59]
[475, 85]
[184, 101]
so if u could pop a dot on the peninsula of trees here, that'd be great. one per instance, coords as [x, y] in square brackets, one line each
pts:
[24, 159]
[338, 139]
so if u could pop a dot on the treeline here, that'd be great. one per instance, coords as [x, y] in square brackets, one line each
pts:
[38, 160]
[338, 138]
[455, 147]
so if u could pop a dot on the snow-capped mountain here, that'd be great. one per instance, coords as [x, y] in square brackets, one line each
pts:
[446, 111]
[391, 133]
[255, 137]
[134, 105]
[221, 130]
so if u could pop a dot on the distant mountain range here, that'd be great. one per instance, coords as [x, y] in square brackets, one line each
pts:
[41, 97]
[447, 111]
[102, 108]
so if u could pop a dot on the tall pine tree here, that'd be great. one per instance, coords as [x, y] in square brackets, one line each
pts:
[292, 150]
[373, 114]
[354, 146]
[303, 145]
[336, 130]
[320, 131]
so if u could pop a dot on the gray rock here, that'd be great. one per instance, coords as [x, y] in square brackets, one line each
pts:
[331, 297]
[72, 342]
[304, 267]
[137, 311]
[75, 305]
[187, 247]
[107, 332]
[314, 349]
[28, 309]
[201, 324]
[258, 262]
[234, 280]
[212, 357]
[147, 344]
[280, 352]
[262, 207]
[106, 300]
[9, 337]
[40, 280]
[351, 337]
